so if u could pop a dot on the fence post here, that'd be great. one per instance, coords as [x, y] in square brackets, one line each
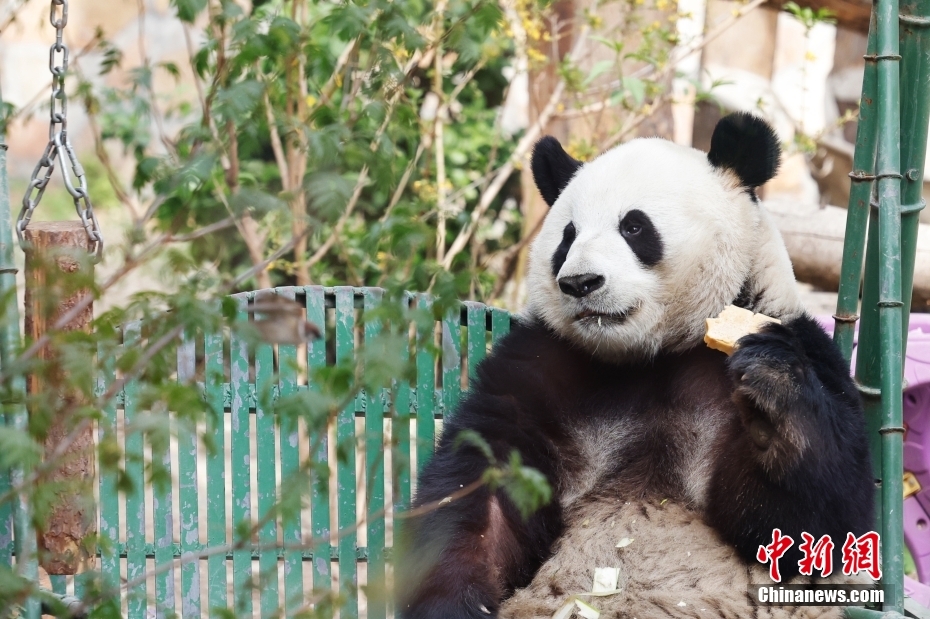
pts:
[58, 269]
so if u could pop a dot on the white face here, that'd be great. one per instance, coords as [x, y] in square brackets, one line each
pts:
[662, 241]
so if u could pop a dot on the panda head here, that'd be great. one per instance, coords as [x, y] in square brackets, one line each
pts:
[644, 243]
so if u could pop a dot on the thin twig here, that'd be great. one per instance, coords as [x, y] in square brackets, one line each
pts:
[402, 185]
[320, 253]
[654, 72]
[511, 256]
[523, 146]
[503, 173]
[277, 146]
[153, 102]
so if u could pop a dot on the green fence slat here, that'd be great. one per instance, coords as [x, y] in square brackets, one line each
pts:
[400, 432]
[426, 384]
[189, 514]
[6, 517]
[476, 316]
[267, 486]
[135, 498]
[84, 582]
[451, 360]
[163, 527]
[374, 465]
[500, 323]
[319, 488]
[216, 471]
[240, 461]
[59, 583]
[109, 496]
[290, 466]
[345, 446]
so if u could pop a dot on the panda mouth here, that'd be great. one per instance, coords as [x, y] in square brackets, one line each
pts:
[589, 316]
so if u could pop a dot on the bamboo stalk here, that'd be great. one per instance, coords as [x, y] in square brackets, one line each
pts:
[890, 305]
[860, 194]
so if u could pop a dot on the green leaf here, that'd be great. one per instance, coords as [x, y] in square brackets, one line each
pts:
[614, 44]
[473, 439]
[637, 89]
[17, 448]
[238, 100]
[189, 9]
[329, 192]
[600, 67]
[525, 486]
[255, 200]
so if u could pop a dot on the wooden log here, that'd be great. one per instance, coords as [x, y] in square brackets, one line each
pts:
[58, 271]
[852, 14]
[814, 238]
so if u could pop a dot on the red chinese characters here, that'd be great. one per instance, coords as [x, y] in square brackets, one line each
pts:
[773, 552]
[816, 556]
[860, 554]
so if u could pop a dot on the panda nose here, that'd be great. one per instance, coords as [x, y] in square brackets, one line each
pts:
[580, 285]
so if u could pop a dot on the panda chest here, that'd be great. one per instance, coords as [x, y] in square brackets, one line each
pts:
[653, 436]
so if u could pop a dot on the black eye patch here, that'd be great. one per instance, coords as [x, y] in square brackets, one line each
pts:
[641, 235]
[561, 252]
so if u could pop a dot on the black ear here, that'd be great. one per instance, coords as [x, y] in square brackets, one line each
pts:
[746, 145]
[553, 168]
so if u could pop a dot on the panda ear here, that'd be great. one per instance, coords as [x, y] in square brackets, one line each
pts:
[553, 168]
[747, 146]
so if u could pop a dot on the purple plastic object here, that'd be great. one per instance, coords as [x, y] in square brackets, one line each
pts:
[917, 591]
[916, 448]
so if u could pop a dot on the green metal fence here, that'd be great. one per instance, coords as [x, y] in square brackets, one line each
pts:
[253, 452]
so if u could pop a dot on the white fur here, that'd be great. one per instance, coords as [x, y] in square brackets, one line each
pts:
[714, 236]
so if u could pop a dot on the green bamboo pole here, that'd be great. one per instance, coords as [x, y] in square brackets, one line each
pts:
[857, 215]
[890, 306]
[15, 406]
[914, 29]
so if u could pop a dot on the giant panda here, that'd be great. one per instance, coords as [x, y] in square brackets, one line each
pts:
[605, 387]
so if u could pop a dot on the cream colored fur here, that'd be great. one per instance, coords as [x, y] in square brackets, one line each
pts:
[676, 566]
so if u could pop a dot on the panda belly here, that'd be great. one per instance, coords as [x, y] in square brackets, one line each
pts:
[673, 566]
[639, 470]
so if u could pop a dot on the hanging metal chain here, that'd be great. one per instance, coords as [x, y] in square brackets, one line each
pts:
[59, 146]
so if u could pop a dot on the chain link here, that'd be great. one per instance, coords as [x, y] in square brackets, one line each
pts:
[59, 146]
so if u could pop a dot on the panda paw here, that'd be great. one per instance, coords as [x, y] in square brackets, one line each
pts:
[772, 377]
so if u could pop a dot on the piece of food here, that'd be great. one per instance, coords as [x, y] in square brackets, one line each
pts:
[733, 323]
[605, 579]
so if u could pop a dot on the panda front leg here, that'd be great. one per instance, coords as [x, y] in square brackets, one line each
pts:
[796, 456]
[460, 558]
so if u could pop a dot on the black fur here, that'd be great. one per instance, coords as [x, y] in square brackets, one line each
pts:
[744, 299]
[466, 557]
[822, 487]
[641, 235]
[748, 146]
[561, 252]
[553, 168]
